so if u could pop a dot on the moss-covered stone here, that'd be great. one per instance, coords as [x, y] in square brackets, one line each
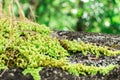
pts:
[28, 45]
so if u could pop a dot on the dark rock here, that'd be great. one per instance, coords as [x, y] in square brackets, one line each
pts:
[14, 74]
[50, 73]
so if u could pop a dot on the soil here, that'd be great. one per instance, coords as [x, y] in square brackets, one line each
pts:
[50, 73]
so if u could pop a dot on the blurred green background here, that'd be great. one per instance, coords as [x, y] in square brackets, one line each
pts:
[78, 15]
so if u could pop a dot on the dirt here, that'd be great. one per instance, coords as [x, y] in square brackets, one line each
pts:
[50, 73]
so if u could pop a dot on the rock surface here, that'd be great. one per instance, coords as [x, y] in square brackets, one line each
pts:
[49, 73]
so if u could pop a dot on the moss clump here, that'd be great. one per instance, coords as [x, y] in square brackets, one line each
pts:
[78, 69]
[75, 46]
[34, 72]
[28, 45]
[26, 41]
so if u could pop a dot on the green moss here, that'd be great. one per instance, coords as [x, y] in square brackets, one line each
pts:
[2, 62]
[74, 46]
[29, 46]
[28, 40]
[34, 72]
[78, 69]
[30, 26]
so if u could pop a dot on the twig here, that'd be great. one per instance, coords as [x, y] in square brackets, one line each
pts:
[11, 24]
[21, 13]
[0, 8]
[3, 72]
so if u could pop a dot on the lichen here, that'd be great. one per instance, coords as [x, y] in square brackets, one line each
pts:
[29, 45]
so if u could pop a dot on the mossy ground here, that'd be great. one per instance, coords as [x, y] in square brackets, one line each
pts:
[29, 46]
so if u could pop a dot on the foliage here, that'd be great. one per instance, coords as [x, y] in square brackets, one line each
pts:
[55, 14]
[101, 16]
[86, 15]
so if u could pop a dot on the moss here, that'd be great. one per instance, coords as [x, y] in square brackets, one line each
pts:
[34, 72]
[28, 40]
[29, 45]
[78, 69]
[74, 46]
